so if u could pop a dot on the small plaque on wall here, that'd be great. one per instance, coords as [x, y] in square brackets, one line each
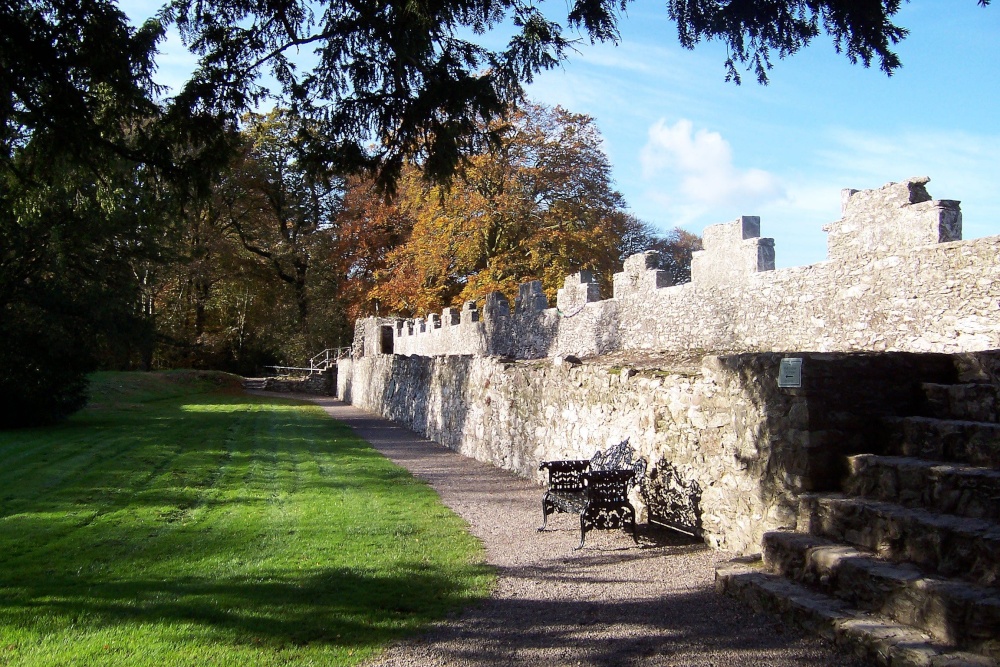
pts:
[790, 372]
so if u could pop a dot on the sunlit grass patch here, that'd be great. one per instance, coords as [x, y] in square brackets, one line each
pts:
[203, 528]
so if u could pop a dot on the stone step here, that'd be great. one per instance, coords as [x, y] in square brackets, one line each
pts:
[255, 383]
[973, 402]
[878, 639]
[954, 613]
[940, 543]
[972, 442]
[951, 488]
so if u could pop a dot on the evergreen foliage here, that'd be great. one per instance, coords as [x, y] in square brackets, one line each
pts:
[402, 78]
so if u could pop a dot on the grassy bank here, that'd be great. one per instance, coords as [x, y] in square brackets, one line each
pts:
[176, 521]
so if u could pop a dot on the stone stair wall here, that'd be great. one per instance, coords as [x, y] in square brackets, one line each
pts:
[902, 563]
[322, 384]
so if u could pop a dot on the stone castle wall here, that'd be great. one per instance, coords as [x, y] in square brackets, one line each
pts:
[898, 277]
[718, 425]
[689, 372]
[515, 415]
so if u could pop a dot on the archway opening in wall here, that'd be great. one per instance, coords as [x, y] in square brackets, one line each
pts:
[386, 341]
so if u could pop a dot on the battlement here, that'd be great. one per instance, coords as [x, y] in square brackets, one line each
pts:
[731, 251]
[898, 277]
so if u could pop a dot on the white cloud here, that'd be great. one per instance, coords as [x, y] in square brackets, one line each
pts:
[700, 162]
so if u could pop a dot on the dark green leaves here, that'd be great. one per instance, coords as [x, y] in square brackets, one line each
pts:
[753, 29]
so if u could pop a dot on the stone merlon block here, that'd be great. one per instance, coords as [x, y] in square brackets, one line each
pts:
[732, 250]
[890, 219]
[451, 316]
[643, 261]
[727, 234]
[530, 298]
[469, 312]
[578, 290]
[640, 274]
[496, 305]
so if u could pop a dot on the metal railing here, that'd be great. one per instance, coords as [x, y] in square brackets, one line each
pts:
[318, 364]
[327, 358]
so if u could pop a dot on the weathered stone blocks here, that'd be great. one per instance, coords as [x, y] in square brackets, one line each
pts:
[892, 218]
[954, 489]
[951, 546]
[731, 252]
[971, 442]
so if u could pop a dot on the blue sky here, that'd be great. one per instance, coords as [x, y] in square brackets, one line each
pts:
[689, 149]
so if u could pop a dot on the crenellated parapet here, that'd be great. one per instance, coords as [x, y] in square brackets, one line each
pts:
[899, 277]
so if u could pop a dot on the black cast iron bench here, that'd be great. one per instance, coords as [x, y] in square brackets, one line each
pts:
[597, 489]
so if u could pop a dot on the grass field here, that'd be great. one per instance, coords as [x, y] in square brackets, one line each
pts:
[176, 521]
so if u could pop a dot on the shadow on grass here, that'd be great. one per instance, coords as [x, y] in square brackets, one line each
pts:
[127, 519]
[336, 606]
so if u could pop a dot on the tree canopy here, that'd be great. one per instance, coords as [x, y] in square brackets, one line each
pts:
[400, 78]
[539, 206]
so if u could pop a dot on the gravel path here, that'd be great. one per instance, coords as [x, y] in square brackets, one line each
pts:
[610, 604]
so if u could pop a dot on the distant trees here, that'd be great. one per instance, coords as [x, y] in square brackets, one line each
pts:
[276, 262]
[252, 257]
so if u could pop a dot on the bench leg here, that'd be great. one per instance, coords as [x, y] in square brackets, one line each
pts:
[583, 532]
[631, 521]
[547, 509]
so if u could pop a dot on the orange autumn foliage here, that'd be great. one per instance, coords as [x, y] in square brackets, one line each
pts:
[541, 205]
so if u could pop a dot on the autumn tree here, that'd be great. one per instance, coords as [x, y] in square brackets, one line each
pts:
[370, 227]
[540, 205]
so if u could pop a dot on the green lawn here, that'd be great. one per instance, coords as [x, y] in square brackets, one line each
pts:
[176, 521]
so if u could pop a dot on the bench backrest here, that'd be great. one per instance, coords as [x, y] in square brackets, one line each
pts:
[620, 457]
[608, 486]
[565, 475]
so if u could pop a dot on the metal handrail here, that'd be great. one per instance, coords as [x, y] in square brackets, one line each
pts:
[328, 357]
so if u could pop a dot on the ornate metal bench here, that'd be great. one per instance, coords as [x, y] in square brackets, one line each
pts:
[596, 489]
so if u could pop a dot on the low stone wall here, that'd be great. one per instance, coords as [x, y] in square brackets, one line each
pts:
[322, 384]
[720, 426]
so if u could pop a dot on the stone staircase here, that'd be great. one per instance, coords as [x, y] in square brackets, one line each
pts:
[903, 565]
